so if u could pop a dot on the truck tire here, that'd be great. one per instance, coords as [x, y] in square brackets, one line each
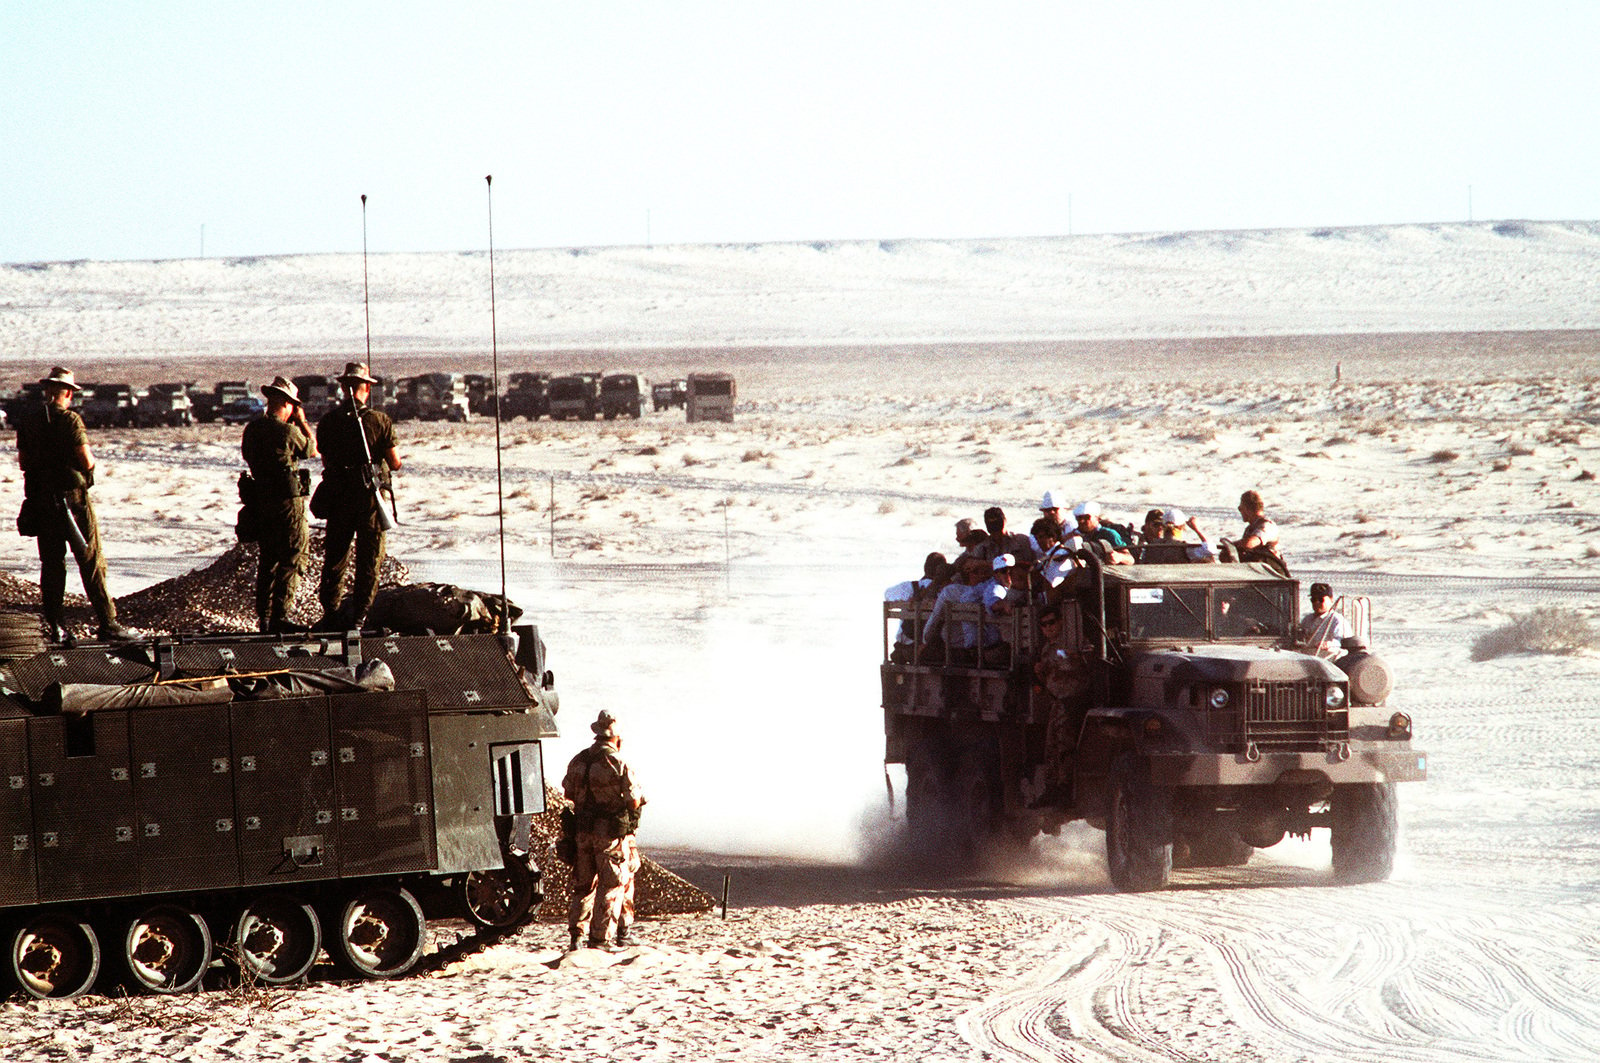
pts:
[927, 796]
[1138, 829]
[977, 803]
[1365, 826]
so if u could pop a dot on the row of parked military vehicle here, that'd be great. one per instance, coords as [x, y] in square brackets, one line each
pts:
[427, 397]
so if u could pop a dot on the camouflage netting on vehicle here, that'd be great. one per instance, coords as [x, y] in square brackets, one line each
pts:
[658, 892]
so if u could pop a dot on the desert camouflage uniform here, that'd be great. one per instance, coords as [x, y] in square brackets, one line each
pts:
[273, 450]
[354, 509]
[47, 441]
[606, 797]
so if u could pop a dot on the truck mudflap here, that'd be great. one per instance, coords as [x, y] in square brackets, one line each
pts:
[1351, 763]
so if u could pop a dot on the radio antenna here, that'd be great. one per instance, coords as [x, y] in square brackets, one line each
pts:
[499, 470]
[366, 296]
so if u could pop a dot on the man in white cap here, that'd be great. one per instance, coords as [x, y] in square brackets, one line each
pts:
[351, 469]
[57, 472]
[606, 802]
[273, 446]
[1087, 515]
[1050, 510]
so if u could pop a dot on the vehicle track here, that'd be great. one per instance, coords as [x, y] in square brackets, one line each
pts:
[1299, 974]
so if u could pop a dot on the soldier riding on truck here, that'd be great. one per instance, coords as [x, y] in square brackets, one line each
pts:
[1166, 704]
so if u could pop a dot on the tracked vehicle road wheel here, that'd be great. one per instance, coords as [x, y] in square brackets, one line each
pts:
[500, 897]
[379, 933]
[276, 939]
[53, 956]
[1365, 827]
[166, 949]
[1138, 829]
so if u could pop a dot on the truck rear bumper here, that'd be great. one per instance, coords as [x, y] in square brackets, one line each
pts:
[1364, 764]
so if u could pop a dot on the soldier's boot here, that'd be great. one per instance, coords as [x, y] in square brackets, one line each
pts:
[111, 631]
[57, 633]
[624, 939]
[573, 946]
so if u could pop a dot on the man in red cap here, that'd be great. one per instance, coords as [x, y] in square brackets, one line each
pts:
[347, 499]
[57, 472]
[273, 446]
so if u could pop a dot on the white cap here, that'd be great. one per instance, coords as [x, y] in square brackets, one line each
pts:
[1086, 509]
[1003, 561]
[1051, 500]
[1175, 516]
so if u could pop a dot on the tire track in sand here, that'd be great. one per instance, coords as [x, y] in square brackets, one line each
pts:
[1347, 975]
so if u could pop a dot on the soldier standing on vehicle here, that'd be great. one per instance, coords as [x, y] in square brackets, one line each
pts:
[57, 472]
[353, 475]
[606, 802]
[273, 446]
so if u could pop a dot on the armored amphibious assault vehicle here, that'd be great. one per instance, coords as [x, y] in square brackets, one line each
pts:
[169, 803]
[1168, 704]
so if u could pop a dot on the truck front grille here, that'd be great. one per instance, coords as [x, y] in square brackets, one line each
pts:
[1291, 717]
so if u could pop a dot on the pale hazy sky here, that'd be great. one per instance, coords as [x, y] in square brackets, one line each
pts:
[126, 126]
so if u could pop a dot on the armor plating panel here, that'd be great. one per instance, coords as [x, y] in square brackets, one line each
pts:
[384, 783]
[285, 810]
[17, 885]
[458, 671]
[183, 796]
[83, 802]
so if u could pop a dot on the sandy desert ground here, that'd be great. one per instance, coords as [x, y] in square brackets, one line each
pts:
[717, 587]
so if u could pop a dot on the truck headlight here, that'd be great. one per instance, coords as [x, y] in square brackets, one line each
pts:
[1219, 698]
[1399, 726]
[1334, 697]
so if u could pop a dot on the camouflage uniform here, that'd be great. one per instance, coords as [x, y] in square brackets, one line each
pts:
[353, 513]
[607, 798]
[273, 449]
[47, 444]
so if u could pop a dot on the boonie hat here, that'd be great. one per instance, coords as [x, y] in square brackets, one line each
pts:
[282, 388]
[603, 723]
[1003, 561]
[60, 377]
[1086, 509]
[357, 373]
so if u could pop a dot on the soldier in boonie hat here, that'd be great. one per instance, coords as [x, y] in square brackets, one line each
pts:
[61, 378]
[357, 373]
[273, 446]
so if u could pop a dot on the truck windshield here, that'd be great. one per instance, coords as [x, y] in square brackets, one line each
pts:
[1167, 612]
[1250, 610]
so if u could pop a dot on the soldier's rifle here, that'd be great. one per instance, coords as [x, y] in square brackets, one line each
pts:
[372, 471]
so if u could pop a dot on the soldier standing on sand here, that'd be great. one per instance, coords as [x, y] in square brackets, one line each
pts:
[57, 472]
[606, 800]
[273, 446]
[352, 506]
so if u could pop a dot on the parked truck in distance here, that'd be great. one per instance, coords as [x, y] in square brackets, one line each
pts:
[575, 396]
[165, 404]
[527, 396]
[431, 397]
[710, 397]
[107, 405]
[669, 393]
[622, 395]
[208, 405]
[1167, 704]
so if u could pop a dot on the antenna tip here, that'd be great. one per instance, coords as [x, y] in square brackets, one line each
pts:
[489, 178]
[363, 198]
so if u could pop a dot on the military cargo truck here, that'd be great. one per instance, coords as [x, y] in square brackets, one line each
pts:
[1166, 704]
[526, 397]
[576, 395]
[165, 404]
[432, 397]
[710, 397]
[622, 395]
